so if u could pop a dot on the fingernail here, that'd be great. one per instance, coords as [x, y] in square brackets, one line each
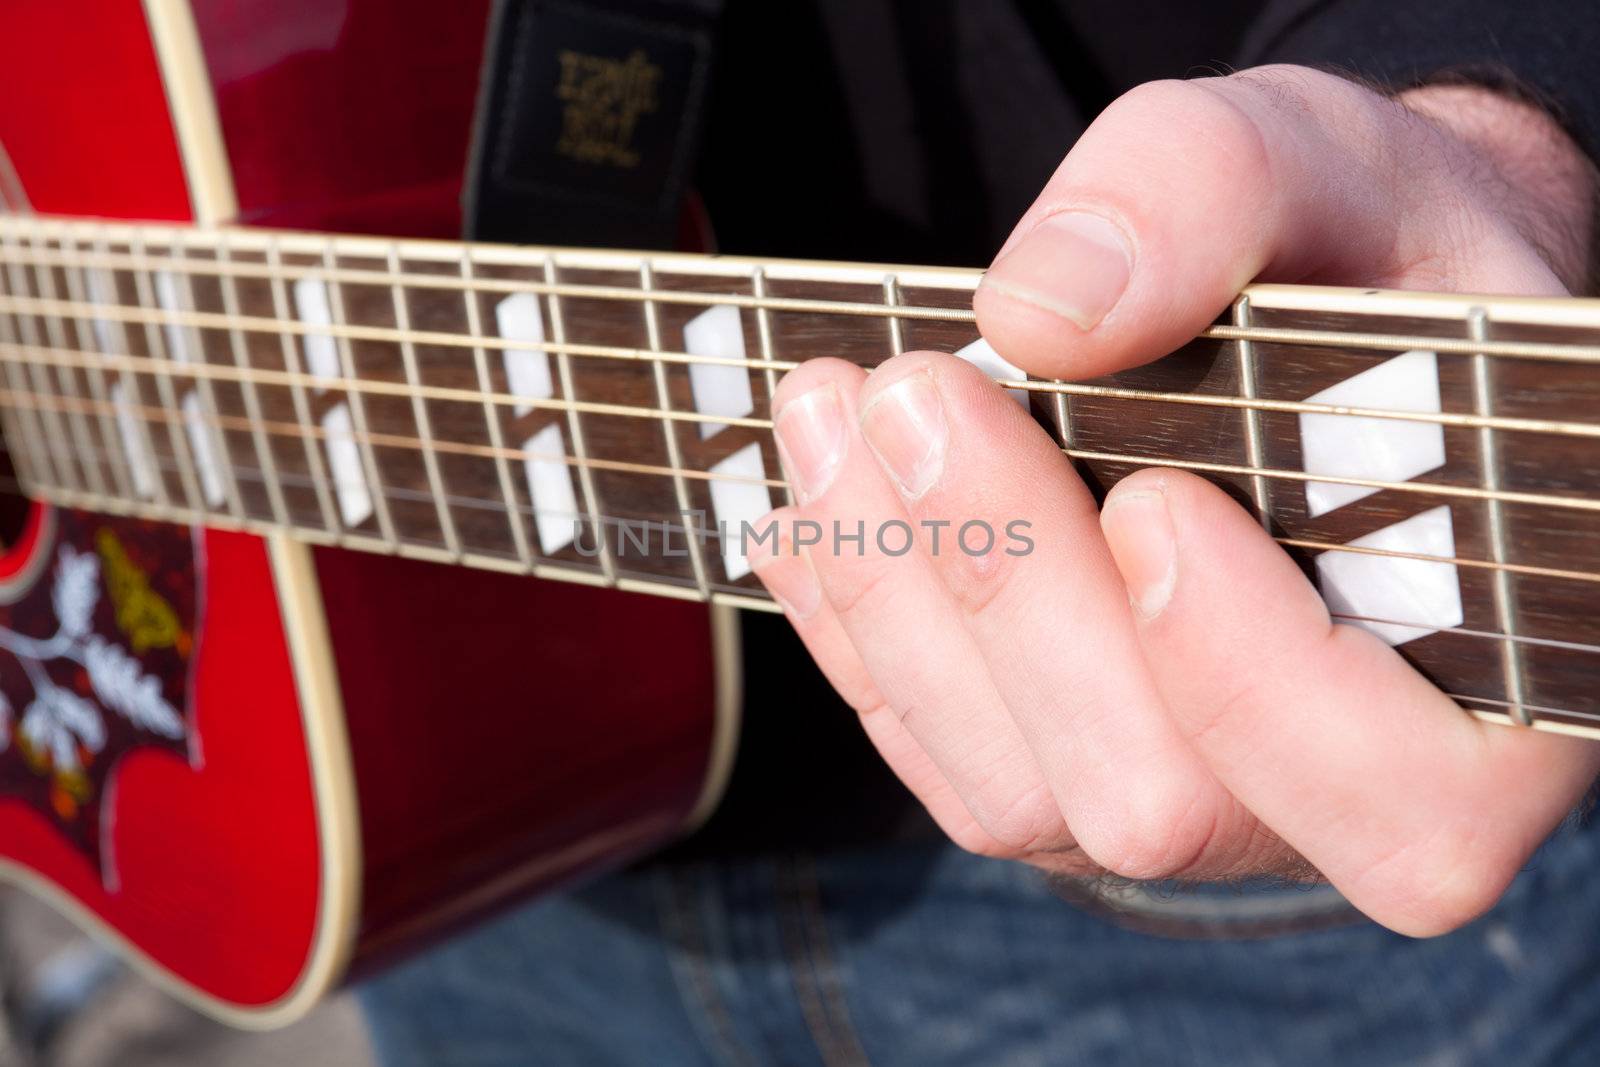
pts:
[1138, 527]
[810, 430]
[1074, 264]
[786, 573]
[905, 426]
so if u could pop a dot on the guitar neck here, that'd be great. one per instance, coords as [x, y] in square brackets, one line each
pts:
[604, 417]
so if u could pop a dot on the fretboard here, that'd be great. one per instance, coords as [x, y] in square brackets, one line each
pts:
[604, 417]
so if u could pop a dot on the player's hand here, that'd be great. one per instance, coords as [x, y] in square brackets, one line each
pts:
[1156, 690]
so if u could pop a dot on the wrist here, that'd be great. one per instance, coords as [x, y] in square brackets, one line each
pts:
[1550, 186]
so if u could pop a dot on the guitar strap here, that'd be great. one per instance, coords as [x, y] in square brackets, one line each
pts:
[588, 121]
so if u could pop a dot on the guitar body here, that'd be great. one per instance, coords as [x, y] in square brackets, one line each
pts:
[259, 766]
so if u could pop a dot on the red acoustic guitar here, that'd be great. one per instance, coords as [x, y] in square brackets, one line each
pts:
[281, 692]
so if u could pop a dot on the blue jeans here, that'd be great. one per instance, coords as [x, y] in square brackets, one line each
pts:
[921, 954]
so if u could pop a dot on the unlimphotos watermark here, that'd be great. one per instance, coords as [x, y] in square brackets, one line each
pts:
[892, 537]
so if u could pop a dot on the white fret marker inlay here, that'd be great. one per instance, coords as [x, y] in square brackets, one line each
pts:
[518, 318]
[103, 293]
[1421, 591]
[736, 502]
[555, 501]
[200, 446]
[1380, 450]
[982, 355]
[322, 351]
[344, 460]
[170, 299]
[140, 463]
[181, 349]
[717, 333]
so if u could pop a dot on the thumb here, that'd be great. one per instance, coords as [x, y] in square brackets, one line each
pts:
[1182, 193]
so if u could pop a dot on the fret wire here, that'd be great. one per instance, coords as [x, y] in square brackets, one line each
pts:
[39, 467]
[302, 406]
[1065, 432]
[769, 370]
[1288, 542]
[117, 461]
[569, 393]
[516, 522]
[419, 413]
[65, 383]
[1061, 403]
[23, 458]
[358, 411]
[128, 379]
[30, 458]
[670, 432]
[1511, 660]
[156, 346]
[202, 388]
[1254, 449]
[641, 355]
[249, 393]
[1555, 351]
[891, 300]
[1413, 487]
[70, 468]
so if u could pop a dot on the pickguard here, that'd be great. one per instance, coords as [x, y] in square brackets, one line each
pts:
[98, 636]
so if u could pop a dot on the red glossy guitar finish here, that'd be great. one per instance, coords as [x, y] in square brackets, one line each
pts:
[482, 712]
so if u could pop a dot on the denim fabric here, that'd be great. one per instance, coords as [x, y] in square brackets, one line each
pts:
[921, 954]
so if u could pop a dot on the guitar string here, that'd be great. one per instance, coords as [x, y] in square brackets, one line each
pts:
[151, 366]
[84, 405]
[27, 354]
[12, 485]
[1576, 647]
[1540, 712]
[1555, 351]
[163, 366]
[255, 474]
[1314, 338]
[80, 310]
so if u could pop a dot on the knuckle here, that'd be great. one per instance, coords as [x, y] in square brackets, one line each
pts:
[1231, 711]
[856, 588]
[1156, 839]
[979, 584]
[1300, 92]
[1194, 124]
[870, 705]
[1023, 822]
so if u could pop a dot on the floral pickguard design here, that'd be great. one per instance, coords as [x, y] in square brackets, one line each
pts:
[94, 663]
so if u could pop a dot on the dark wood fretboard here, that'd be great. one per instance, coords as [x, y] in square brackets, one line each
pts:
[594, 417]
